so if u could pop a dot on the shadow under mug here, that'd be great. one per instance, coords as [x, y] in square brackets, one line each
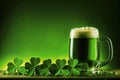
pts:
[87, 50]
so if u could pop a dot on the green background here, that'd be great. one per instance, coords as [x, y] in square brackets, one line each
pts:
[41, 28]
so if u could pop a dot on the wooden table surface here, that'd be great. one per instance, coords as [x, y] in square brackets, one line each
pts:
[117, 71]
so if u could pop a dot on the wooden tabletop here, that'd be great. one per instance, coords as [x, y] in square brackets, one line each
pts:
[117, 75]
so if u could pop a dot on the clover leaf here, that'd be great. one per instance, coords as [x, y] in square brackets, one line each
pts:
[75, 72]
[47, 63]
[32, 65]
[34, 61]
[73, 63]
[22, 70]
[53, 69]
[43, 69]
[65, 72]
[44, 72]
[11, 68]
[18, 62]
[61, 64]
[83, 66]
[15, 68]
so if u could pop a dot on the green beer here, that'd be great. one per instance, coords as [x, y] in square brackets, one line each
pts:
[84, 45]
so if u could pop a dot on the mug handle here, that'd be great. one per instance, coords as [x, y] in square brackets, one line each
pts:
[110, 55]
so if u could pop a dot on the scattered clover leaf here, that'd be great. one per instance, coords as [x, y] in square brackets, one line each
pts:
[67, 67]
[73, 63]
[75, 72]
[45, 72]
[22, 70]
[11, 68]
[53, 69]
[47, 63]
[15, 68]
[83, 66]
[32, 65]
[65, 72]
[34, 61]
[18, 62]
[61, 64]
[43, 69]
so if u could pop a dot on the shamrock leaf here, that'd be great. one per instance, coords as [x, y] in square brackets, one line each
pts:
[72, 62]
[74, 70]
[67, 67]
[44, 72]
[18, 62]
[28, 65]
[43, 69]
[61, 63]
[65, 72]
[47, 62]
[32, 65]
[83, 66]
[53, 69]
[11, 68]
[37, 70]
[34, 61]
[31, 71]
[15, 68]
[22, 70]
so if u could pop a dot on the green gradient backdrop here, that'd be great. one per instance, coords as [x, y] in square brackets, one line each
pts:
[41, 28]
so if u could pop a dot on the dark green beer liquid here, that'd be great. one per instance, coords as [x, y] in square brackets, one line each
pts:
[84, 49]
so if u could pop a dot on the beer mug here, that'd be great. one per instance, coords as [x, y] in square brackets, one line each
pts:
[85, 46]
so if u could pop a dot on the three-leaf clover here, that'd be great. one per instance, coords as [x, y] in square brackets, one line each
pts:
[57, 69]
[61, 64]
[32, 65]
[43, 69]
[16, 68]
[73, 63]
[53, 69]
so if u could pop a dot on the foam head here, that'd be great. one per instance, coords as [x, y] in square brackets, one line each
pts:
[84, 32]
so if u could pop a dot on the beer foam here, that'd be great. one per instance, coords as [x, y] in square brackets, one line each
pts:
[84, 32]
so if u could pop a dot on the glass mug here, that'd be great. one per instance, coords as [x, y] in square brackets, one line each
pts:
[85, 46]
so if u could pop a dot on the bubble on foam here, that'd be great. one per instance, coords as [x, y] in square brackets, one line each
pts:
[84, 32]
